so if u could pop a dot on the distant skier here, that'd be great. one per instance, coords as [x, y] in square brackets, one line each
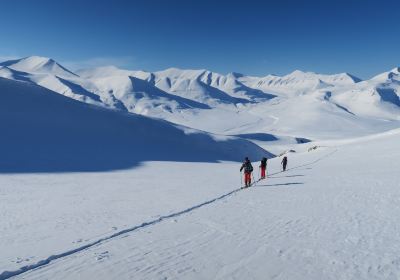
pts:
[284, 163]
[248, 168]
[263, 166]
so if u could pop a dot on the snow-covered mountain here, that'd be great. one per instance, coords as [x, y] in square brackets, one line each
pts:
[206, 86]
[300, 104]
[376, 98]
[387, 77]
[37, 64]
[49, 74]
[299, 81]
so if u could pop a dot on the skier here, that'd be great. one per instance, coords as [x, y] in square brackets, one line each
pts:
[248, 168]
[284, 163]
[263, 167]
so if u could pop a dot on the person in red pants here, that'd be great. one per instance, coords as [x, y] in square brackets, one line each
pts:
[263, 167]
[248, 168]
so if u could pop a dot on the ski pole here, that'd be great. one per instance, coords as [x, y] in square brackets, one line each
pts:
[253, 179]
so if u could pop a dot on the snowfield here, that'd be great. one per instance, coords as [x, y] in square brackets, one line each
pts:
[117, 174]
[67, 210]
[333, 215]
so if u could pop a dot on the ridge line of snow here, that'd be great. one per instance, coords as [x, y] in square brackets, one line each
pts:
[8, 274]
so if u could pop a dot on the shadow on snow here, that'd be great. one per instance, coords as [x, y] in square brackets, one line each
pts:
[283, 184]
[288, 176]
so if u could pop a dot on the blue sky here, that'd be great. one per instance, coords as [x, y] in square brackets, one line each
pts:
[250, 37]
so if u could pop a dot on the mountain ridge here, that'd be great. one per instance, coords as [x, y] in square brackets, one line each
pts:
[299, 104]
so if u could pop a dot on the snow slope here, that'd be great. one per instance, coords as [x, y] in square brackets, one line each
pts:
[333, 215]
[46, 132]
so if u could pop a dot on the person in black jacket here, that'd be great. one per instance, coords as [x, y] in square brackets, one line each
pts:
[263, 166]
[284, 163]
[248, 168]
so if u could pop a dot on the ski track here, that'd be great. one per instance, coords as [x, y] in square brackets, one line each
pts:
[8, 274]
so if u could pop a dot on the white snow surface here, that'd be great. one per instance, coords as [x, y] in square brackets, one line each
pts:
[333, 215]
[117, 174]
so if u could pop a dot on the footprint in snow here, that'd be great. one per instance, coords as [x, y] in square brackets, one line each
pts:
[102, 256]
[20, 260]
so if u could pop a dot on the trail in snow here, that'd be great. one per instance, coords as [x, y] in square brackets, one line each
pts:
[337, 219]
[8, 274]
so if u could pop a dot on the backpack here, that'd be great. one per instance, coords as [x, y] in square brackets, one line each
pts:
[264, 162]
[248, 167]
